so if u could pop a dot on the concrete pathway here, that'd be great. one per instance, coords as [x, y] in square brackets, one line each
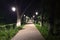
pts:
[29, 32]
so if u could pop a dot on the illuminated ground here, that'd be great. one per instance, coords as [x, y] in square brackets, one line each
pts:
[29, 32]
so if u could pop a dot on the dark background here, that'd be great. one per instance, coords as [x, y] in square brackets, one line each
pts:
[28, 7]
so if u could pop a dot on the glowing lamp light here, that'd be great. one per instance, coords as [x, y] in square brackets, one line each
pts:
[36, 13]
[13, 9]
[24, 15]
[33, 16]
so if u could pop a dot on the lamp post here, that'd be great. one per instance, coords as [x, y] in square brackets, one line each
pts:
[33, 16]
[36, 16]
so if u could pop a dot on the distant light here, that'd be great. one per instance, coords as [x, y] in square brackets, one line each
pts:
[36, 13]
[33, 16]
[24, 15]
[13, 9]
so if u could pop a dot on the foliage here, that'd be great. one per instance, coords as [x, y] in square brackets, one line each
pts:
[8, 31]
[45, 32]
[43, 29]
[39, 17]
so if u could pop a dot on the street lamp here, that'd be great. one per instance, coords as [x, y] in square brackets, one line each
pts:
[33, 16]
[13, 9]
[36, 17]
[36, 13]
[24, 15]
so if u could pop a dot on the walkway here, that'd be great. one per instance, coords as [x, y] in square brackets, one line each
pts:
[29, 32]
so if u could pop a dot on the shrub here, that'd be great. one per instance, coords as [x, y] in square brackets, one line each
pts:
[43, 30]
[8, 31]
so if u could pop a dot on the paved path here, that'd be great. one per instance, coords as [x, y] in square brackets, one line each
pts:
[29, 32]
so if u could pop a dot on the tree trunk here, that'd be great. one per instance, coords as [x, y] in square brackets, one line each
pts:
[18, 18]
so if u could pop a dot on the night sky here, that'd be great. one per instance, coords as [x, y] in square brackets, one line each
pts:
[28, 7]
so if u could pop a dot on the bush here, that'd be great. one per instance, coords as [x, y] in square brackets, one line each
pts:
[7, 32]
[43, 30]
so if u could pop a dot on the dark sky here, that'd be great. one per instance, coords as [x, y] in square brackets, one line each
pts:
[27, 7]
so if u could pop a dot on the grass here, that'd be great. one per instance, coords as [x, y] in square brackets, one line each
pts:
[43, 30]
[8, 31]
